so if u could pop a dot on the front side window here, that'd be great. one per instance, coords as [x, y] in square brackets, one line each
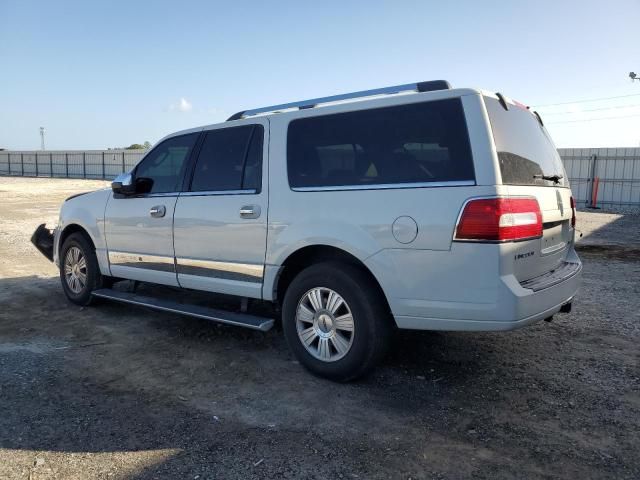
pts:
[165, 164]
[416, 143]
[230, 159]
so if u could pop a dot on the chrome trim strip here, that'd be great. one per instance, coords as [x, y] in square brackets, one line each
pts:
[219, 192]
[553, 249]
[246, 272]
[386, 186]
[153, 195]
[142, 260]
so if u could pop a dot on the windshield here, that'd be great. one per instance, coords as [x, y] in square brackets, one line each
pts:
[525, 150]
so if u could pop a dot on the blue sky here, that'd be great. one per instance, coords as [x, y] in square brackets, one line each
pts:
[111, 73]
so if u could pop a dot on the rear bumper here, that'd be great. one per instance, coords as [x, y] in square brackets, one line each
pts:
[466, 298]
[42, 239]
[448, 324]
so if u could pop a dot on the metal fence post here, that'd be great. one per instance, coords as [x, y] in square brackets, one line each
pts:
[84, 164]
[22, 164]
[9, 162]
[592, 177]
[36, 164]
[51, 164]
[103, 165]
[123, 167]
[66, 164]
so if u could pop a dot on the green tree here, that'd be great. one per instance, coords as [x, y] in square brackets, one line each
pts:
[135, 146]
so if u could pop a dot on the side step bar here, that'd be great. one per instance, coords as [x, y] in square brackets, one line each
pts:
[230, 318]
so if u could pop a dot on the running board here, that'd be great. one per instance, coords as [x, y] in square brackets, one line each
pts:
[229, 318]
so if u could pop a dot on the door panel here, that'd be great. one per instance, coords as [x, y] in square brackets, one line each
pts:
[140, 245]
[220, 235]
[139, 228]
[216, 249]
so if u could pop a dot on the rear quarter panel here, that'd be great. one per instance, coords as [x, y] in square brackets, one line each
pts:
[361, 221]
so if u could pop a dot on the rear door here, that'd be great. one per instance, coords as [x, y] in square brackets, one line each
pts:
[220, 222]
[530, 166]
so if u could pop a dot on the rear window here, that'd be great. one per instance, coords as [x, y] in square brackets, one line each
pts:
[417, 143]
[525, 150]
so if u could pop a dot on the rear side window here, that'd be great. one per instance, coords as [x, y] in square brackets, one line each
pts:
[417, 143]
[525, 150]
[230, 159]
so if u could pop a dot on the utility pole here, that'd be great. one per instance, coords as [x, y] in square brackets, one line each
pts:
[41, 138]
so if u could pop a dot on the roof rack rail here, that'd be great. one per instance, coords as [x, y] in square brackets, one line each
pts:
[304, 104]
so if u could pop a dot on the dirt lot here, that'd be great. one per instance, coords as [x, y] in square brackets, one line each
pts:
[119, 392]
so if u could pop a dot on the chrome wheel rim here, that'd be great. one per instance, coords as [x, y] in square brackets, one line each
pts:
[325, 324]
[75, 270]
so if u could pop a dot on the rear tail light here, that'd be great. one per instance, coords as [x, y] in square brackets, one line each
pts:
[573, 213]
[501, 219]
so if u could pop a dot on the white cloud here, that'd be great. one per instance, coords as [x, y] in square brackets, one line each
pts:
[183, 105]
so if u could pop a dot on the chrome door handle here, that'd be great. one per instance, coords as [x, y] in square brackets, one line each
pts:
[250, 211]
[158, 211]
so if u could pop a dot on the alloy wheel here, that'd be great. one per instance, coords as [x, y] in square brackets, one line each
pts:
[75, 270]
[325, 324]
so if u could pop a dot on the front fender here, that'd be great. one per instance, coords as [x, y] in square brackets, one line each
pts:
[87, 212]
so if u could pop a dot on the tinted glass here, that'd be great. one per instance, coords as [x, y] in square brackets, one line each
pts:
[525, 150]
[424, 142]
[166, 162]
[252, 178]
[230, 159]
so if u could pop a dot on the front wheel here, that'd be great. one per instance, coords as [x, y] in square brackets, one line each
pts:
[336, 321]
[79, 271]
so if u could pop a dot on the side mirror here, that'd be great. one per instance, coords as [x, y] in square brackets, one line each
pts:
[124, 184]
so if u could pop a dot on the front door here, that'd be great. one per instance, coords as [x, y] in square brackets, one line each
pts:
[220, 223]
[138, 228]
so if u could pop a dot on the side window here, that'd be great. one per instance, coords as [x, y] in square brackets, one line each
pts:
[416, 143]
[230, 159]
[253, 166]
[165, 164]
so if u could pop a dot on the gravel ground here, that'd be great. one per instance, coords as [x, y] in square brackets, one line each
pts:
[608, 229]
[117, 392]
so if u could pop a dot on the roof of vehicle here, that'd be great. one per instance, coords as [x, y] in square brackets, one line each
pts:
[433, 89]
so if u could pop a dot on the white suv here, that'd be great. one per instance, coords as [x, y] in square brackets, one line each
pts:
[416, 206]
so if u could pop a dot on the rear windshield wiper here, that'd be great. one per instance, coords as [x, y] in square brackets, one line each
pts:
[553, 178]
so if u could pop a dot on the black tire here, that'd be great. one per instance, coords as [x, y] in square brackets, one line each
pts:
[94, 279]
[372, 323]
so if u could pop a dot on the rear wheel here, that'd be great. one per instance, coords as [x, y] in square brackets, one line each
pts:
[336, 321]
[79, 271]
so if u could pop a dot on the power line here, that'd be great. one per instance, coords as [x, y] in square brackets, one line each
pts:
[592, 109]
[586, 101]
[594, 119]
